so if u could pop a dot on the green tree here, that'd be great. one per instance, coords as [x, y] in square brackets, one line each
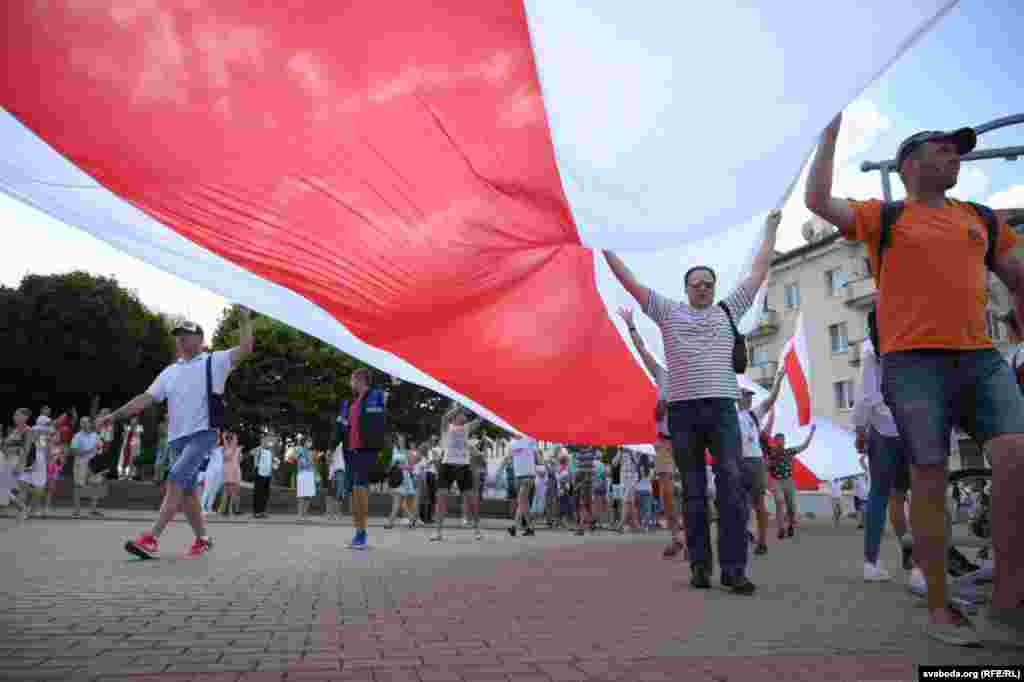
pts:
[70, 337]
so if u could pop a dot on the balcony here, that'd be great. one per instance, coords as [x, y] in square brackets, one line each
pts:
[764, 374]
[854, 352]
[861, 293]
[767, 324]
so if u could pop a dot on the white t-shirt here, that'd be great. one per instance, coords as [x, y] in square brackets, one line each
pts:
[837, 490]
[749, 435]
[264, 462]
[183, 386]
[43, 420]
[524, 456]
[338, 462]
[85, 443]
[860, 487]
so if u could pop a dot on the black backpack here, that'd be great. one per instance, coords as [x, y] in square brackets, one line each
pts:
[739, 345]
[891, 212]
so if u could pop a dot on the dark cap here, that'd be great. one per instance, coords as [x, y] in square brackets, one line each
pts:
[965, 140]
[187, 328]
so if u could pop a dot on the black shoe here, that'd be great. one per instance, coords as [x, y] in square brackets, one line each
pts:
[908, 557]
[958, 565]
[860, 526]
[512, 531]
[738, 584]
[529, 533]
[699, 577]
[761, 549]
[789, 533]
[579, 531]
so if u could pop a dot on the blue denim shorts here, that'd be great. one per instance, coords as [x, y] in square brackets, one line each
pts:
[930, 391]
[188, 454]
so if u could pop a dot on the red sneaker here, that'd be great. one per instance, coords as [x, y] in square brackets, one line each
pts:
[200, 547]
[146, 546]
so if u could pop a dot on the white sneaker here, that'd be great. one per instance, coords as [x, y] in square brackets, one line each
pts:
[916, 584]
[465, 523]
[875, 573]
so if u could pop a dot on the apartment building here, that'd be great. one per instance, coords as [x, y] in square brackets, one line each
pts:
[828, 279]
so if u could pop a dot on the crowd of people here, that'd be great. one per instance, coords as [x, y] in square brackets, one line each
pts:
[930, 368]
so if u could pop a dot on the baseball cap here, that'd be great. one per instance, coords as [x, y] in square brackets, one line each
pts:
[965, 139]
[187, 328]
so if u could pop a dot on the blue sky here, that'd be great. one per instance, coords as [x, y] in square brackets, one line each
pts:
[964, 72]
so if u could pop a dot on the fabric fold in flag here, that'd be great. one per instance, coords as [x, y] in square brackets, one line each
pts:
[384, 175]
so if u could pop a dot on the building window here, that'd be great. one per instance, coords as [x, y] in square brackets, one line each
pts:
[838, 338]
[844, 394]
[792, 294]
[759, 355]
[835, 280]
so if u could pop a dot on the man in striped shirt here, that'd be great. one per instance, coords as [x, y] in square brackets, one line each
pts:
[702, 394]
[584, 484]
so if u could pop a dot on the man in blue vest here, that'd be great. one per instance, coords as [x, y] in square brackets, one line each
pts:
[362, 427]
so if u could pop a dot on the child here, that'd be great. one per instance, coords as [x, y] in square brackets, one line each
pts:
[232, 474]
[54, 467]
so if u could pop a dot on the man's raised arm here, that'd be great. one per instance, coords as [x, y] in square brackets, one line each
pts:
[763, 260]
[765, 406]
[626, 277]
[818, 196]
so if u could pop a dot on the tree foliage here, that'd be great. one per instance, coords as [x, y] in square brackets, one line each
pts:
[294, 384]
[70, 337]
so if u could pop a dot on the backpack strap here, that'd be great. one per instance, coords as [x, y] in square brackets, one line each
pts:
[735, 331]
[891, 211]
[992, 223]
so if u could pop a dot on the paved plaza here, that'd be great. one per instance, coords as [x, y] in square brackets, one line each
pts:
[279, 602]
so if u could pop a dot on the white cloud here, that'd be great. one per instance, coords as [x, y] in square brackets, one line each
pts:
[1011, 197]
[972, 185]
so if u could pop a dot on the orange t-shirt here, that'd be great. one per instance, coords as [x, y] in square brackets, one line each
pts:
[933, 292]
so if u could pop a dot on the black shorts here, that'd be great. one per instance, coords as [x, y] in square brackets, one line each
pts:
[455, 473]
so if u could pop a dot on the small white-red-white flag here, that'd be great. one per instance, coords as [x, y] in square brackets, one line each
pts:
[796, 361]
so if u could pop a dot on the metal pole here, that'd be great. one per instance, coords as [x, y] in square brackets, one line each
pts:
[886, 185]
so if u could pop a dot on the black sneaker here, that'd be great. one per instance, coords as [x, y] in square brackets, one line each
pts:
[699, 577]
[529, 533]
[958, 565]
[738, 584]
[512, 531]
[579, 531]
[789, 533]
[908, 557]
[761, 549]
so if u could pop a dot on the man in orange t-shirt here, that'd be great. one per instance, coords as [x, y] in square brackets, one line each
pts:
[939, 366]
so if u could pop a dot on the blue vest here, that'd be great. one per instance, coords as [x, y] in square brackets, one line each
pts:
[373, 422]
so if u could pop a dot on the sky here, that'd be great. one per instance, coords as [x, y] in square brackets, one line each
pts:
[964, 72]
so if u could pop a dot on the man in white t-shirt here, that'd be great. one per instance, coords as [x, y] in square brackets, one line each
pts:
[190, 433]
[524, 463]
[756, 476]
[84, 448]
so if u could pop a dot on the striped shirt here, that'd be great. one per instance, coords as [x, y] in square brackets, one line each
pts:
[698, 344]
[585, 460]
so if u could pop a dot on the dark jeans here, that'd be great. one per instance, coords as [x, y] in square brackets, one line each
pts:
[890, 472]
[261, 493]
[427, 501]
[712, 423]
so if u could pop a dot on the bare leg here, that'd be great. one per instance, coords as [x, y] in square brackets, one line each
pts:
[168, 508]
[1007, 457]
[190, 505]
[928, 515]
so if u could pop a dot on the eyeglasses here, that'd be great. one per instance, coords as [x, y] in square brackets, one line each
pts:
[702, 284]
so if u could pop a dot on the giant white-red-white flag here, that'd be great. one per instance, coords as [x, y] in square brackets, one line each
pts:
[796, 362]
[424, 184]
